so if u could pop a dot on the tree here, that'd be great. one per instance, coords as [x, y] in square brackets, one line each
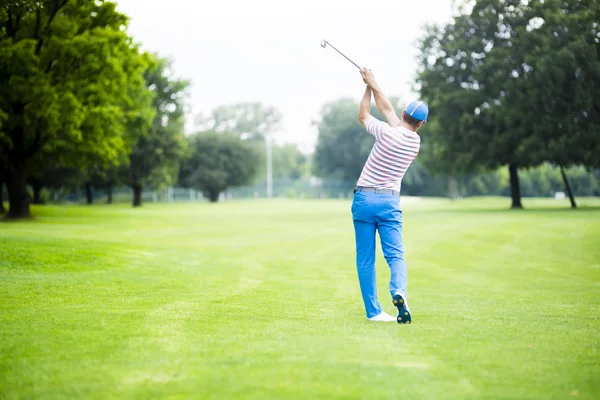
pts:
[466, 132]
[562, 47]
[217, 162]
[108, 178]
[2, 180]
[343, 145]
[253, 121]
[418, 181]
[288, 162]
[494, 84]
[3, 165]
[52, 177]
[67, 74]
[156, 157]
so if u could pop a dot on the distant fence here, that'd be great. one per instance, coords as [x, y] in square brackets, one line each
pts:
[125, 195]
[301, 189]
[313, 188]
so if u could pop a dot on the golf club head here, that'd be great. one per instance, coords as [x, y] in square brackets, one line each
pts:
[324, 44]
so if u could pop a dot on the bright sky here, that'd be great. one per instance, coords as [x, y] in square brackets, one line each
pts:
[269, 50]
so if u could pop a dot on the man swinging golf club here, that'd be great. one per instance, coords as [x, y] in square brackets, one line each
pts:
[376, 204]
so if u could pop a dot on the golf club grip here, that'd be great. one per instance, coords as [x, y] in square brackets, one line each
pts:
[343, 54]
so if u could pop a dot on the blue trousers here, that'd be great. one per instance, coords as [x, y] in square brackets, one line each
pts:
[379, 212]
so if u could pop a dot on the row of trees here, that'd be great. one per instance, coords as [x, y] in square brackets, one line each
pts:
[509, 83]
[81, 105]
[343, 147]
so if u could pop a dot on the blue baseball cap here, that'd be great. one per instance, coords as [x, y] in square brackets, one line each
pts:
[418, 110]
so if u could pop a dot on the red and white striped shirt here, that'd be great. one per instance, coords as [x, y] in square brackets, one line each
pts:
[391, 155]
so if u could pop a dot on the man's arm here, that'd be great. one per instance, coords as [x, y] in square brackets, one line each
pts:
[381, 101]
[374, 126]
[364, 111]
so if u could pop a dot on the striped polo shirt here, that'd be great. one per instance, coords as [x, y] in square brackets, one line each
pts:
[391, 155]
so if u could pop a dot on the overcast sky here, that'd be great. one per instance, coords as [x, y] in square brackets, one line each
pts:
[269, 50]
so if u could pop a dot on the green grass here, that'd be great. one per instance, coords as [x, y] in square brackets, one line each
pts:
[252, 300]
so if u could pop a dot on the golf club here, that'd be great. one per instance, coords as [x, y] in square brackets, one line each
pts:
[324, 44]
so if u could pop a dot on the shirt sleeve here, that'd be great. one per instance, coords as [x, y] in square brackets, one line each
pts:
[376, 127]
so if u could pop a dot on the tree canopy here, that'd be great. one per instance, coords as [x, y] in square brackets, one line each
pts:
[156, 156]
[513, 83]
[218, 161]
[69, 78]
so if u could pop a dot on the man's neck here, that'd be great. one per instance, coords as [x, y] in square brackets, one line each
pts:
[407, 126]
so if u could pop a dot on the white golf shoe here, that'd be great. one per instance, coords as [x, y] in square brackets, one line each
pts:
[382, 317]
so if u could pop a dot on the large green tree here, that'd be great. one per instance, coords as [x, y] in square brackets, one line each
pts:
[156, 157]
[217, 162]
[562, 50]
[68, 71]
[458, 137]
[2, 180]
[502, 90]
[3, 166]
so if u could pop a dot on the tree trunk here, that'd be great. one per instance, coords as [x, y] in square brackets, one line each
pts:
[18, 198]
[213, 196]
[2, 209]
[89, 199]
[37, 190]
[515, 188]
[137, 194]
[451, 189]
[568, 187]
[109, 195]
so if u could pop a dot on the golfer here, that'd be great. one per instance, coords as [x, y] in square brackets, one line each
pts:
[376, 203]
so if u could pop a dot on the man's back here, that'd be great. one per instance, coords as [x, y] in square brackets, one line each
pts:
[391, 155]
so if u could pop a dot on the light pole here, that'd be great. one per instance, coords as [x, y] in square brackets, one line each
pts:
[269, 165]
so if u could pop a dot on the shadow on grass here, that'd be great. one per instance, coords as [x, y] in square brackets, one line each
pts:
[4, 217]
[537, 209]
[499, 205]
[514, 211]
[8, 220]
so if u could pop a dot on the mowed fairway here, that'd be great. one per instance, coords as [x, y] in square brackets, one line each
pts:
[252, 300]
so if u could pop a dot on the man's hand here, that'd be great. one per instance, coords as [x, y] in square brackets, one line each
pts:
[368, 78]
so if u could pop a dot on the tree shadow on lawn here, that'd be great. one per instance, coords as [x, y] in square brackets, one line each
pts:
[515, 211]
[4, 218]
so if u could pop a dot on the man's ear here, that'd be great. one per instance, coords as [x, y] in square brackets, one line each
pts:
[402, 116]
[420, 124]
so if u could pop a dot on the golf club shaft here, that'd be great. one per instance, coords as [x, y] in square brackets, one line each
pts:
[342, 54]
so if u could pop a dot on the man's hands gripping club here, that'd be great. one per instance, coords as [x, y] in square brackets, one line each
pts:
[368, 78]
[381, 101]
